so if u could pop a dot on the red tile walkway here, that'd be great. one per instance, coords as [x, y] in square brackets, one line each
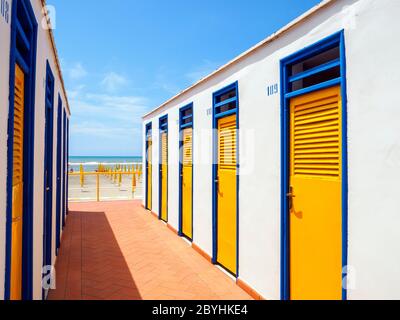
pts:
[117, 250]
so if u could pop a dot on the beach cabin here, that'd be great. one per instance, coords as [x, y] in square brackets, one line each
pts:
[34, 122]
[282, 167]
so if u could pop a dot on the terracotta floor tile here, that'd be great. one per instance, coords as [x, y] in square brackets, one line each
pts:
[119, 251]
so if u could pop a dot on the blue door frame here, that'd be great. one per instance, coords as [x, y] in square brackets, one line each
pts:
[48, 168]
[59, 170]
[149, 128]
[63, 171]
[334, 40]
[163, 128]
[23, 27]
[216, 116]
[66, 174]
[183, 124]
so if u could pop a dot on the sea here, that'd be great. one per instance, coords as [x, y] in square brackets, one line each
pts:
[91, 163]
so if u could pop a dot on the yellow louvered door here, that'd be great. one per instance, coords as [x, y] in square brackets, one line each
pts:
[187, 183]
[226, 190]
[149, 172]
[17, 185]
[315, 180]
[164, 176]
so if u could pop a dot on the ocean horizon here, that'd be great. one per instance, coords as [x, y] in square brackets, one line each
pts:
[91, 162]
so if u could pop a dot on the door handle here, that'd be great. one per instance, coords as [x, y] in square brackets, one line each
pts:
[290, 196]
[217, 184]
[48, 189]
[17, 219]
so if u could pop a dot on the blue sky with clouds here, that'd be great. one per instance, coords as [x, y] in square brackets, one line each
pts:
[122, 58]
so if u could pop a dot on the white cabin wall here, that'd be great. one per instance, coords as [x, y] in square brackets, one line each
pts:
[155, 167]
[173, 168]
[373, 79]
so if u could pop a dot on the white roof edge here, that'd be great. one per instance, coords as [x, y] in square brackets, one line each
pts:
[264, 42]
[53, 43]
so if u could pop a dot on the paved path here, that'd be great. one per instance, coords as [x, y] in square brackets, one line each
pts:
[117, 250]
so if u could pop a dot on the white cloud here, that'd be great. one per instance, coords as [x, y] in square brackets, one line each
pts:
[77, 71]
[113, 81]
[119, 111]
[75, 92]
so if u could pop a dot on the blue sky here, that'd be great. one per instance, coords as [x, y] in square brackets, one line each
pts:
[122, 58]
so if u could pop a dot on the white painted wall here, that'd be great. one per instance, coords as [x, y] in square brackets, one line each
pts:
[173, 169]
[44, 52]
[373, 141]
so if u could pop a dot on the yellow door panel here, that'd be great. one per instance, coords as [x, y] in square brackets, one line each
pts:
[17, 186]
[315, 180]
[164, 176]
[149, 173]
[226, 190]
[187, 183]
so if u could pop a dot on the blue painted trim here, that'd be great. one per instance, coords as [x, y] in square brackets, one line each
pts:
[345, 192]
[22, 63]
[317, 87]
[29, 142]
[48, 169]
[187, 117]
[323, 45]
[314, 49]
[321, 68]
[163, 125]
[225, 102]
[149, 127]
[285, 263]
[226, 113]
[187, 125]
[237, 179]
[23, 37]
[67, 177]
[226, 89]
[59, 171]
[64, 170]
[216, 117]
[182, 128]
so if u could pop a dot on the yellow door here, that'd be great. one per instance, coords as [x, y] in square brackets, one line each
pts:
[315, 196]
[226, 189]
[187, 184]
[17, 185]
[149, 173]
[164, 176]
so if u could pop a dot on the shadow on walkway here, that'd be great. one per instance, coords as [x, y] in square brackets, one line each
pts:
[118, 250]
[91, 264]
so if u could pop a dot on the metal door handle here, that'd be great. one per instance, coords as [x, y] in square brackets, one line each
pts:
[48, 189]
[291, 195]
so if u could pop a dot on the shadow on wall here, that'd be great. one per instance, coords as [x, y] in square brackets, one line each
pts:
[91, 265]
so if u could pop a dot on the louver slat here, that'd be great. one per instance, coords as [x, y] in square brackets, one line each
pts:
[18, 150]
[164, 155]
[316, 138]
[227, 143]
[187, 147]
